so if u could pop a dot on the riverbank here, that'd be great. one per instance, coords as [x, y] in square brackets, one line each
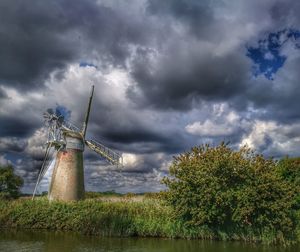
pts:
[146, 217]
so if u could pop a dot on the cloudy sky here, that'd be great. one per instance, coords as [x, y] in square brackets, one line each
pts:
[168, 75]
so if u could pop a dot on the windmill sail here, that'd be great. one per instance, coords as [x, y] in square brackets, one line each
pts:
[111, 156]
[87, 115]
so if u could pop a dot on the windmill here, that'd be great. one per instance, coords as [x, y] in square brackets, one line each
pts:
[68, 142]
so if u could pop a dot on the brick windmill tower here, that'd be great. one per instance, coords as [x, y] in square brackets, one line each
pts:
[69, 142]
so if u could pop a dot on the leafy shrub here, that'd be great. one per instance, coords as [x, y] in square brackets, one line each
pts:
[10, 183]
[225, 189]
[289, 169]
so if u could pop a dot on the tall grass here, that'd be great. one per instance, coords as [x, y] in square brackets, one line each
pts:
[147, 218]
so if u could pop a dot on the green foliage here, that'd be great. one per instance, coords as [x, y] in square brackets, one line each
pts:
[289, 169]
[232, 191]
[10, 183]
[147, 218]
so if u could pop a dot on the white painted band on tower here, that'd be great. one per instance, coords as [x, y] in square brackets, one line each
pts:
[74, 143]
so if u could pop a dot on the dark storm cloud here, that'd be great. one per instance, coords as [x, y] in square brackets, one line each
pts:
[138, 138]
[37, 37]
[137, 141]
[196, 15]
[32, 166]
[275, 104]
[12, 145]
[15, 126]
[180, 79]
[32, 42]
[131, 135]
[183, 72]
[285, 12]
[3, 94]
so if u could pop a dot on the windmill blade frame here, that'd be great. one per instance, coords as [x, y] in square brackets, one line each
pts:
[111, 156]
[69, 126]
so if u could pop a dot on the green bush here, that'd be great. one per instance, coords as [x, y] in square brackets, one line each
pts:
[231, 191]
[289, 169]
[10, 183]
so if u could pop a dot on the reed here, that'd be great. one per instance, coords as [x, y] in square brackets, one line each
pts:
[150, 217]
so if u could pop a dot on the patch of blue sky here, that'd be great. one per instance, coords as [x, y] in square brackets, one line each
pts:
[267, 57]
[13, 157]
[86, 64]
[61, 110]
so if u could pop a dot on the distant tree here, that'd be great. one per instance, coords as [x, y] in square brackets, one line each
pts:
[10, 183]
[222, 188]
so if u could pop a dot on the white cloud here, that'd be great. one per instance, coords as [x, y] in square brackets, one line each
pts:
[256, 138]
[273, 138]
[4, 161]
[223, 122]
[131, 160]
[209, 128]
[36, 143]
[268, 56]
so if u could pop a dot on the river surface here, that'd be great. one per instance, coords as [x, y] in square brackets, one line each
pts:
[59, 241]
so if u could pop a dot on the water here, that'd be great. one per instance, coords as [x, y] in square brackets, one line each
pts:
[58, 241]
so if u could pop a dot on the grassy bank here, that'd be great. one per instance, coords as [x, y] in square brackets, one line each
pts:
[145, 218]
